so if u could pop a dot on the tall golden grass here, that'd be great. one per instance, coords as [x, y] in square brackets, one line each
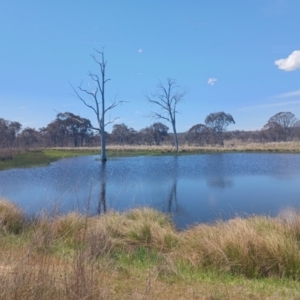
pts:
[138, 254]
[229, 145]
[254, 247]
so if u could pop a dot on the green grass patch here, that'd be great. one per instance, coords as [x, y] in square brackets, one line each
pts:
[59, 154]
[25, 160]
[41, 158]
[141, 258]
[127, 153]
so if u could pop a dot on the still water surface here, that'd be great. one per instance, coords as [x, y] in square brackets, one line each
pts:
[194, 188]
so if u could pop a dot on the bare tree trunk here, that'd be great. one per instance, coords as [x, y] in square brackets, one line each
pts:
[102, 90]
[103, 147]
[175, 137]
[98, 105]
[102, 199]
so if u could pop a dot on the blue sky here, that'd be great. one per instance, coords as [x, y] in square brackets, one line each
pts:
[237, 56]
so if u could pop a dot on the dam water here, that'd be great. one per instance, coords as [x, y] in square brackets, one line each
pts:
[193, 188]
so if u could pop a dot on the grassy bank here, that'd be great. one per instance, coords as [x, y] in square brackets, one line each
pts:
[23, 159]
[34, 158]
[229, 146]
[140, 255]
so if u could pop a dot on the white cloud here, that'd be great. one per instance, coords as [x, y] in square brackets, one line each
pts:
[27, 123]
[268, 105]
[140, 50]
[291, 63]
[211, 80]
[289, 95]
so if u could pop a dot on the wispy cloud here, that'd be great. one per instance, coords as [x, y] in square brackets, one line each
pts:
[28, 123]
[140, 50]
[291, 63]
[289, 95]
[211, 80]
[268, 105]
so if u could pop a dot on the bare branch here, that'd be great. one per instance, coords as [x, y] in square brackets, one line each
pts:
[93, 94]
[97, 61]
[95, 77]
[96, 128]
[110, 122]
[114, 104]
[160, 116]
[158, 103]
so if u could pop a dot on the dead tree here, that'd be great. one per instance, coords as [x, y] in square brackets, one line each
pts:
[166, 98]
[96, 102]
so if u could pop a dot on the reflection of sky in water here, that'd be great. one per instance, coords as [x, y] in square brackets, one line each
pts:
[196, 188]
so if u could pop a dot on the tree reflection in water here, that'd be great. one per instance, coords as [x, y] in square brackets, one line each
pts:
[102, 200]
[217, 176]
[172, 200]
[219, 182]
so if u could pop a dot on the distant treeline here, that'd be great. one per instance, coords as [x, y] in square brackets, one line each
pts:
[69, 130]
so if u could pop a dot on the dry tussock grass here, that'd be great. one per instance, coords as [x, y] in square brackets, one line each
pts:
[46, 277]
[254, 247]
[229, 145]
[67, 229]
[11, 217]
[236, 145]
[138, 227]
[78, 260]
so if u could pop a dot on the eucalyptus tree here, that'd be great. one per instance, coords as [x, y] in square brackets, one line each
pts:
[282, 124]
[153, 134]
[199, 134]
[159, 131]
[218, 122]
[96, 102]
[166, 98]
[30, 137]
[78, 129]
[122, 134]
[8, 132]
[145, 136]
[67, 129]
